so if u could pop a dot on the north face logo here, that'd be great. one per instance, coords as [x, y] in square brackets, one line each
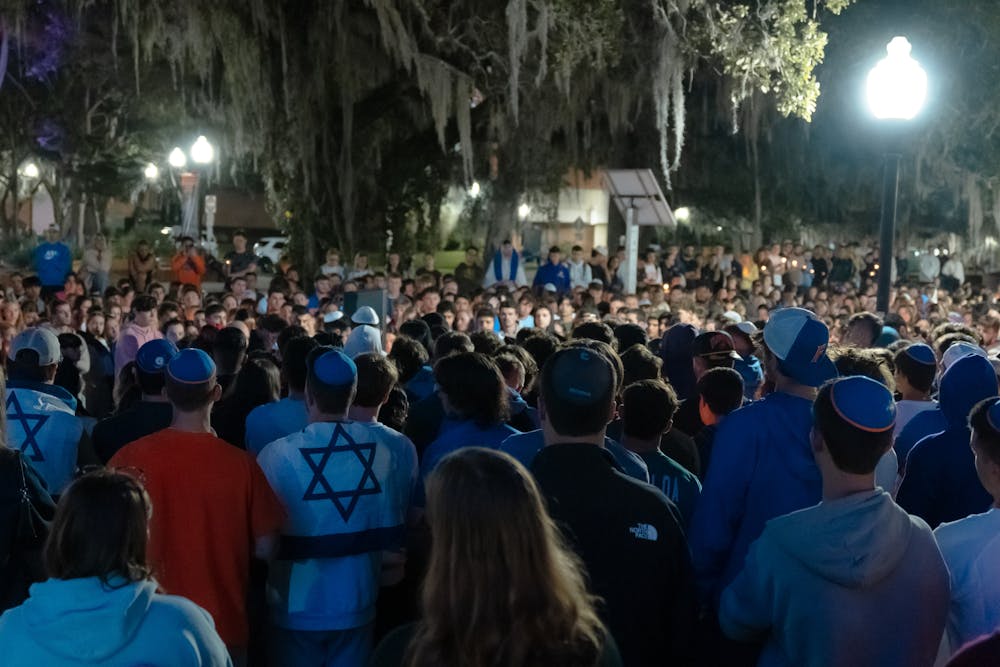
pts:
[643, 531]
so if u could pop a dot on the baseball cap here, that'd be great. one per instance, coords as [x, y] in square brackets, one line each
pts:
[921, 353]
[549, 287]
[863, 403]
[191, 366]
[799, 340]
[40, 340]
[333, 316]
[365, 315]
[334, 368]
[959, 350]
[581, 376]
[154, 355]
[732, 317]
[596, 284]
[601, 250]
[717, 345]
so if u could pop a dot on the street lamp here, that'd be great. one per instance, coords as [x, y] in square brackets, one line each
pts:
[474, 189]
[897, 88]
[177, 158]
[202, 152]
[30, 170]
[523, 211]
[151, 172]
[683, 214]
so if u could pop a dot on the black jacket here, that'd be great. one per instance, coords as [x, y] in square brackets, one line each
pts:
[629, 536]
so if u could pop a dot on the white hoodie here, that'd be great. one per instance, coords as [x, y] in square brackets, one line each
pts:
[848, 583]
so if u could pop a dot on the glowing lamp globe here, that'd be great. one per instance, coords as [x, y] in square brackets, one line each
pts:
[682, 214]
[177, 159]
[897, 85]
[202, 152]
[151, 172]
[523, 211]
[30, 170]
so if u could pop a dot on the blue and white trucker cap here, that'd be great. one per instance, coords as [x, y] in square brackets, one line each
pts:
[799, 340]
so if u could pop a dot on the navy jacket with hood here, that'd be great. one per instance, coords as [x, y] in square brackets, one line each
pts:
[941, 483]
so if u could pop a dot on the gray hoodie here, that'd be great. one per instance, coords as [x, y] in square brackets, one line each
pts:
[847, 583]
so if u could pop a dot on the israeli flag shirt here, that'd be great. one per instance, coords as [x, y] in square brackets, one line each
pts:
[347, 487]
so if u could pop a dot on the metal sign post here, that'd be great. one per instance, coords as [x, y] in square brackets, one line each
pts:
[641, 202]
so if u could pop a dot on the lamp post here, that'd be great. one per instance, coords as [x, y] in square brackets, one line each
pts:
[897, 88]
[202, 153]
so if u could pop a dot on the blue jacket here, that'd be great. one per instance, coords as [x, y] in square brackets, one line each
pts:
[762, 467]
[557, 274]
[524, 447]
[941, 483]
[52, 263]
[75, 622]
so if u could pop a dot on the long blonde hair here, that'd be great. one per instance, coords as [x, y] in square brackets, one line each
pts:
[501, 589]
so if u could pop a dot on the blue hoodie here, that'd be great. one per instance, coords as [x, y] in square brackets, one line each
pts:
[557, 274]
[941, 483]
[919, 427]
[835, 585]
[73, 622]
[675, 350]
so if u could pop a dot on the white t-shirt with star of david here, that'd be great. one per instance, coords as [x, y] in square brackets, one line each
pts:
[347, 487]
[45, 428]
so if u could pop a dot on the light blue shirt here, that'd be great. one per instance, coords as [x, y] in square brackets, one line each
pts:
[272, 421]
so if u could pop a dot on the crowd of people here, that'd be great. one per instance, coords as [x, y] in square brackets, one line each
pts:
[739, 464]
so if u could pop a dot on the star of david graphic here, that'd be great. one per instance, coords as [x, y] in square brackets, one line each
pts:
[344, 452]
[15, 413]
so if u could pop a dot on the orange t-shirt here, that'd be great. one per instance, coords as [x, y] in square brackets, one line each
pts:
[210, 502]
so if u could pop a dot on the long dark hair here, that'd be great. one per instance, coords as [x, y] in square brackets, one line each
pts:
[100, 529]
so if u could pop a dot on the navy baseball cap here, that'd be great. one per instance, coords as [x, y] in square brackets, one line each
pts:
[581, 376]
[921, 353]
[863, 403]
[799, 340]
[191, 366]
[334, 368]
[154, 355]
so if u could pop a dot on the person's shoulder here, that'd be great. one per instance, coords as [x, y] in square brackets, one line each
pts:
[972, 529]
[178, 612]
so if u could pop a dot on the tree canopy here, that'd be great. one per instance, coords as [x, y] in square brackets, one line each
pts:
[357, 116]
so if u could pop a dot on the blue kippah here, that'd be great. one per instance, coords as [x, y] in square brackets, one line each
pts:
[154, 355]
[921, 353]
[191, 366]
[993, 415]
[335, 369]
[864, 403]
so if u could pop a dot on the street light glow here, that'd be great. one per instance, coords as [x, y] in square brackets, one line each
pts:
[523, 211]
[897, 85]
[683, 214]
[30, 170]
[177, 159]
[474, 189]
[202, 152]
[151, 172]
